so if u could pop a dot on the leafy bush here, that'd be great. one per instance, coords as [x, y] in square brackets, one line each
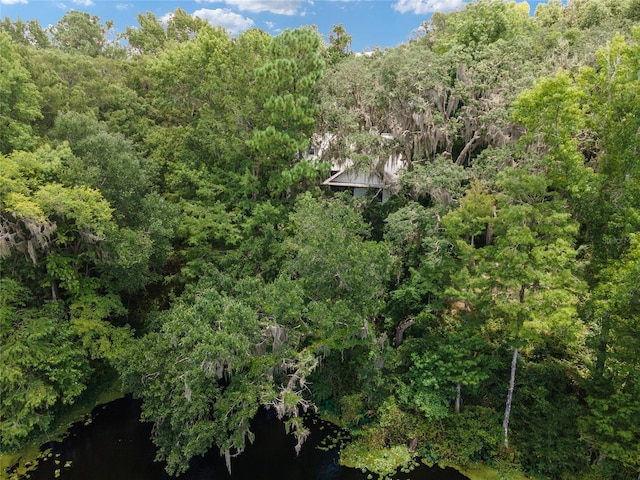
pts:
[471, 436]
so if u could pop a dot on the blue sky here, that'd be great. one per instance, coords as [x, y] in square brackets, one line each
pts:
[371, 23]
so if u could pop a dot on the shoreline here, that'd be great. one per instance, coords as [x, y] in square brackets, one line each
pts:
[15, 465]
[26, 459]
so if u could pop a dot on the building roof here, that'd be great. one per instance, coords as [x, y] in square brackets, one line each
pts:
[351, 178]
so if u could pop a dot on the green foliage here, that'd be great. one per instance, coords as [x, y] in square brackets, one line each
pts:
[440, 181]
[228, 347]
[79, 32]
[42, 367]
[614, 210]
[106, 161]
[178, 73]
[110, 163]
[460, 448]
[482, 23]
[610, 425]
[96, 86]
[381, 461]
[191, 373]
[382, 448]
[149, 37]
[544, 422]
[176, 181]
[548, 14]
[209, 367]
[335, 265]
[352, 409]
[339, 44]
[553, 109]
[19, 100]
[25, 33]
[49, 218]
[448, 359]
[152, 35]
[425, 392]
[528, 253]
[288, 116]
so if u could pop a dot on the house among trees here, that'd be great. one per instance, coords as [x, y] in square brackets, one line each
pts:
[378, 179]
[362, 183]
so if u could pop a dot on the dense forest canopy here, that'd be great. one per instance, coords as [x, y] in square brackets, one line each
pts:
[162, 217]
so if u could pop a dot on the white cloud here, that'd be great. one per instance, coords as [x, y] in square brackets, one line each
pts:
[12, 2]
[164, 19]
[420, 7]
[83, 3]
[123, 6]
[281, 7]
[232, 22]
[272, 27]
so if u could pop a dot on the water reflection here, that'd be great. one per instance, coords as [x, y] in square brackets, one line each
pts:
[115, 445]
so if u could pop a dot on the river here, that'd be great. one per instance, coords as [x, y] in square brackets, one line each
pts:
[115, 445]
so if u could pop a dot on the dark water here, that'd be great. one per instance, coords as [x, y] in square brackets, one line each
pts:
[115, 445]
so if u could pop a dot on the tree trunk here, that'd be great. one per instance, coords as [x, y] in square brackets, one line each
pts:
[489, 236]
[507, 410]
[54, 290]
[413, 444]
[401, 329]
[227, 460]
[467, 149]
[512, 380]
[458, 397]
[601, 352]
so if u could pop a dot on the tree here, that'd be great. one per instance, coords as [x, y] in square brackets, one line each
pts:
[177, 73]
[339, 44]
[79, 32]
[585, 125]
[19, 100]
[41, 365]
[51, 224]
[105, 161]
[610, 426]
[341, 275]
[586, 128]
[288, 117]
[29, 33]
[332, 261]
[450, 359]
[96, 86]
[612, 95]
[187, 372]
[111, 164]
[176, 181]
[151, 37]
[548, 14]
[229, 345]
[182, 27]
[482, 23]
[55, 304]
[518, 266]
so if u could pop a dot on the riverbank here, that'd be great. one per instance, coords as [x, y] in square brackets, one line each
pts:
[472, 472]
[484, 472]
[388, 462]
[26, 459]
[55, 461]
